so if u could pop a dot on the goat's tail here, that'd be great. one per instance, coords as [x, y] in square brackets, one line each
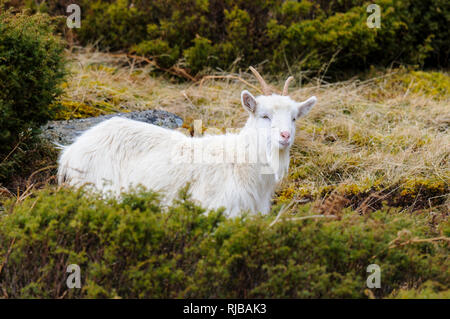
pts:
[59, 146]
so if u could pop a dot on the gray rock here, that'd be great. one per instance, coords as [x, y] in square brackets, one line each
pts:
[65, 132]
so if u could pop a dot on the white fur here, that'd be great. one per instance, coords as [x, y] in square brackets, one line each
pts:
[119, 153]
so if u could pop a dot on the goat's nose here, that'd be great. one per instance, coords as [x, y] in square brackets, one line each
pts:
[285, 135]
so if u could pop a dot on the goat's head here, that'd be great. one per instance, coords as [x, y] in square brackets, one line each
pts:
[274, 113]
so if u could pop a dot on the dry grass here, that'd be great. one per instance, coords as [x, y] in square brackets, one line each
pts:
[361, 137]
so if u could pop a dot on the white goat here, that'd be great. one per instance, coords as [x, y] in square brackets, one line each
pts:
[119, 154]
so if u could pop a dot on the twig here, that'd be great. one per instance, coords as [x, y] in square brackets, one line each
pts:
[284, 209]
[172, 70]
[393, 243]
[409, 87]
[327, 65]
[6, 191]
[369, 294]
[63, 295]
[25, 193]
[281, 212]
[304, 217]
[378, 197]
[21, 139]
[38, 171]
[187, 98]
[314, 216]
[207, 77]
[7, 255]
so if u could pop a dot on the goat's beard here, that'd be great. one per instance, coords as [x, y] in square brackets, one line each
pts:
[269, 157]
[276, 158]
[279, 162]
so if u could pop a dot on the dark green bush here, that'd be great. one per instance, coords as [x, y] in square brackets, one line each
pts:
[287, 35]
[31, 69]
[133, 249]
[33, 155]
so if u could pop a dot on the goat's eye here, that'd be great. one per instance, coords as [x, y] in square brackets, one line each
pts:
[293, 119]
[266, 117]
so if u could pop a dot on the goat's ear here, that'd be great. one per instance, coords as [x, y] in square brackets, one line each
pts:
[248, 101]
[306, 106]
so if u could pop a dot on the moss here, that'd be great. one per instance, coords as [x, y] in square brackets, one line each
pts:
[74, 109]
[286, 194]
[413, 186]
[422, 192]
[299, 173]
[411, 193]
[67, 110]
[432, 84]
[102, 68]
[365, 140]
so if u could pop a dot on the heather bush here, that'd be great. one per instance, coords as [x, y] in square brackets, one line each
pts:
[31, 69]
[135, 249]
[288, 35]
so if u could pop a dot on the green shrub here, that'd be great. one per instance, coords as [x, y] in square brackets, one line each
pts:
[115, 24]
[135, 249]
[198, 56]
[31, 69]
[159, 49]
[288, 35]
[429, 290]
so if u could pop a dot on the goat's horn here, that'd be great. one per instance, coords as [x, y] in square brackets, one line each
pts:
[265, 88]
[286, 85]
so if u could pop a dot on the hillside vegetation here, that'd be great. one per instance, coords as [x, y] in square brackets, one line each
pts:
[32, 67]
[369, 173]
[310, 36]
[374, 141]
[368, 184]
[133, 249]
